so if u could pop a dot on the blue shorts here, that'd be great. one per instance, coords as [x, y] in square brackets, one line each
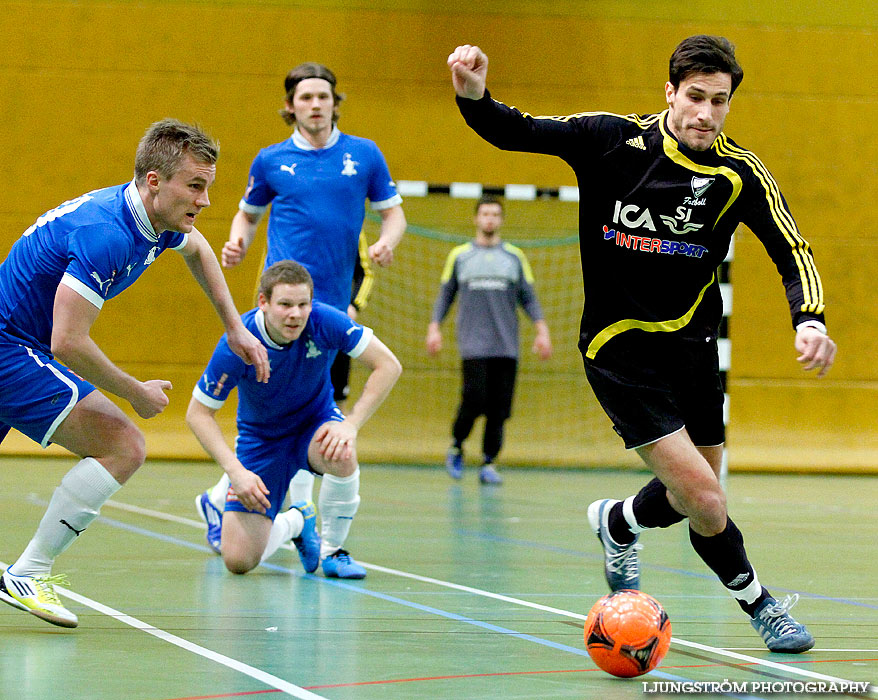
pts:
[36, 391]
[276, 460]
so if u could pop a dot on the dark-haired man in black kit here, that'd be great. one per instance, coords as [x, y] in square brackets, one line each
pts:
[660, 198]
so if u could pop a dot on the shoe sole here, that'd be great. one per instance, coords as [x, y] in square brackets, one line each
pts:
[797, 650]
[345, 578]
[47, 617]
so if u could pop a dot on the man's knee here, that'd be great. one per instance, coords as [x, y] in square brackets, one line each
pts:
[341, 468]
[707, 505]
[238, 564]
[126, 452]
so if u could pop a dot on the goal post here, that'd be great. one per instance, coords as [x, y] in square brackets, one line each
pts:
[556, 420]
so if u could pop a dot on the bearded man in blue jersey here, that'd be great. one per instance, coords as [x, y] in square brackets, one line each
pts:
[290, 423]
[316, 183]
[53, 284]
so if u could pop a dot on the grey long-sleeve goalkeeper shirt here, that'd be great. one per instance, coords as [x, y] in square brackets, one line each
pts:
[491, 281]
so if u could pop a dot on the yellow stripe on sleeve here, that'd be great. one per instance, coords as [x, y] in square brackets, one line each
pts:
[812, 287]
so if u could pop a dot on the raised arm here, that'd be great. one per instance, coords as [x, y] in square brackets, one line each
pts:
[205, 269]
[507, 127]
[469, 71]
[73, 317]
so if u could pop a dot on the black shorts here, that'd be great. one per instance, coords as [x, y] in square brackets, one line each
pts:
[653, 387]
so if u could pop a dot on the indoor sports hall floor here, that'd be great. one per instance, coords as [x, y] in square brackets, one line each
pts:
[472, 592]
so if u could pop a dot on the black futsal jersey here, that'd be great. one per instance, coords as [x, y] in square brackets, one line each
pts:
[656, 219]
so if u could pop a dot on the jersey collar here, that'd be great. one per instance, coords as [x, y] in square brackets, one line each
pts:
[674, 144]
[138, 211]
[259, 318]
[301, 142]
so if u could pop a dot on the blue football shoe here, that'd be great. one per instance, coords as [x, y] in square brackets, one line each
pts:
[778, 629]
[454, 463]
[213, 518]
[621, 562]
[308, 541]
[340, 565]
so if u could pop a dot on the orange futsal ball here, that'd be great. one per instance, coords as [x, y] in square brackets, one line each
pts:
[627, 633]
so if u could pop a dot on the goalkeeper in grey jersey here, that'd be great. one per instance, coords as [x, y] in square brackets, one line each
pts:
[492, 278]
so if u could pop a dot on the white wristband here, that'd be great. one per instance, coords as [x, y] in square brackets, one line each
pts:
[812, 324]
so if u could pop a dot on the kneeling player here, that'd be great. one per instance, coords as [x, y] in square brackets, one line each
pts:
[288, 424]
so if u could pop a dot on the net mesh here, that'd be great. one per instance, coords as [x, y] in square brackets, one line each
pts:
[556, 420]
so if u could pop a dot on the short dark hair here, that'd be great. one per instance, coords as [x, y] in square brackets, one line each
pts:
[703, 53]
[489, 199]
[284, 272]
[302, 72]
[164, 145]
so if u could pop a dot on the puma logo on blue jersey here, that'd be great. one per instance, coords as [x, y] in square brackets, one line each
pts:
[101, 282]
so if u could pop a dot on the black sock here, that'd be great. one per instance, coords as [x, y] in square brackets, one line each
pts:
[651, 509]
[618, 526]
[724, 554]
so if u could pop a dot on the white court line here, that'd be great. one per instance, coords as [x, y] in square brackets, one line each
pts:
[517, 601]
[578, 616]
[863, 651]
[234, 664]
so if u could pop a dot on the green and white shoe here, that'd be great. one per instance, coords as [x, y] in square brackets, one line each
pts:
[36, 595]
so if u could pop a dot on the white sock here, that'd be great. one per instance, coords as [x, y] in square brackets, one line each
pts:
[217, 494]
[339, 500]
[73, 507]
[302, 486]
[751, 593]
[285, 527]
[628, 512]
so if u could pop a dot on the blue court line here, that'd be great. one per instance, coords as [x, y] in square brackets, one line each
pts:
[399, 601]
[656, 567]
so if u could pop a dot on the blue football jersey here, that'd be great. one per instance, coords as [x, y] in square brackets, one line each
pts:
[97, 244]
[317, 198]
[299, 387]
